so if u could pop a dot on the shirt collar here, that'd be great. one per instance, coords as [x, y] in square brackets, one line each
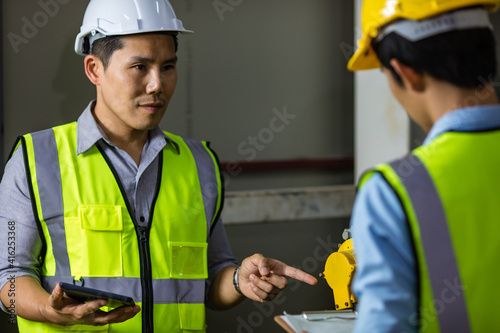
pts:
[477, 118]
[88, 133]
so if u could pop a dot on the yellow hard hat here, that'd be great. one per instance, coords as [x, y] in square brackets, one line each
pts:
[376, 14]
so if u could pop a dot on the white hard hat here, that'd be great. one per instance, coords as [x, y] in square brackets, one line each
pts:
[125, 17]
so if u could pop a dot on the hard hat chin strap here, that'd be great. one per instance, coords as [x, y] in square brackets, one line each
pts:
[417, 30]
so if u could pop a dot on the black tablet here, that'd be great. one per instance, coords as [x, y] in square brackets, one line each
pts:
[83, 294]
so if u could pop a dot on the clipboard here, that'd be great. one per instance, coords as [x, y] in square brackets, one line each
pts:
[284, 324]
[338, 321]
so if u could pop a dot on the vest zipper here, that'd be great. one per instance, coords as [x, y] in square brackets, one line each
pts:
[143, 243]
[146, 278]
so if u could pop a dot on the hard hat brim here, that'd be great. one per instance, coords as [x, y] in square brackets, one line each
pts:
[364, 58]
[81, 37]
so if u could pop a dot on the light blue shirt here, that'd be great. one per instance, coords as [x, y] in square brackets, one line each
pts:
[386, 270]
[139, 182]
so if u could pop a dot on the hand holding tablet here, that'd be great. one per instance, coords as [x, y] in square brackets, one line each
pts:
[83, 294]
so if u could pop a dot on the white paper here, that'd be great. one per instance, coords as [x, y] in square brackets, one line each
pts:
[335, 323]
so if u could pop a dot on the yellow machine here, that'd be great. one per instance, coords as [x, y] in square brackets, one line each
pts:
[339, 272]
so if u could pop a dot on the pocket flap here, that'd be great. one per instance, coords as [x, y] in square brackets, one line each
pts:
[101, 217]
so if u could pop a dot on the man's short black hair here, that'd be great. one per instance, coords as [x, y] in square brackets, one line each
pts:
[464, 58]
[103, 48]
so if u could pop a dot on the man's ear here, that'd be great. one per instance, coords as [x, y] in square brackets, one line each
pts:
[411, 78]
[93, 68]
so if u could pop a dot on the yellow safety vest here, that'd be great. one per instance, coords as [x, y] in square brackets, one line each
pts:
[90, 234]
[449, 190]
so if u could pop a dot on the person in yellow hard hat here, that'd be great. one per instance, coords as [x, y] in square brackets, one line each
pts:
[426, 226]
[114, 203]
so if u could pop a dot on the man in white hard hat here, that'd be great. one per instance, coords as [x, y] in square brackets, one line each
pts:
[425, 227]
[113, 203]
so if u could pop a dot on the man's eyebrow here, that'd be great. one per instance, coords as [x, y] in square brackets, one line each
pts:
[144, 59]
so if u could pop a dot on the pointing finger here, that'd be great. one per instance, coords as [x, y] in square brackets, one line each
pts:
[299, 275]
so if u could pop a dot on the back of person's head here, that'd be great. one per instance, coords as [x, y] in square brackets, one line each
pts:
[450, 40]
[464, 58]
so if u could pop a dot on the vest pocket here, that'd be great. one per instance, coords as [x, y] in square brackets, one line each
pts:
[94, 241]
[188, 260]
[192, 317]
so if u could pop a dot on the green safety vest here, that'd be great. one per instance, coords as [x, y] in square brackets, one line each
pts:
[449, 190]
[90, 234]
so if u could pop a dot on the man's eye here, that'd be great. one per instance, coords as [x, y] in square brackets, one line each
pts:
[139, 67]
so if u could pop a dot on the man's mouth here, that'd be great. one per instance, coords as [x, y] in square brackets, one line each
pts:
[152, 107]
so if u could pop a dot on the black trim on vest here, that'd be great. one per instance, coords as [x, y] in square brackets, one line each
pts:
[157, 189]
[219, 211]
[144, 250]
[43, 251]
[13, 150]
[413, 246]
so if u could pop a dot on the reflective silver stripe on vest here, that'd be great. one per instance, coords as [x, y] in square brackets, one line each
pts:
[48, 178]
[165, 290]
[436, 241]
[206, 173]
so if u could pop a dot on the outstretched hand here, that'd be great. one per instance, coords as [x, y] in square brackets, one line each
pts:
[70, 312]
[261, 279]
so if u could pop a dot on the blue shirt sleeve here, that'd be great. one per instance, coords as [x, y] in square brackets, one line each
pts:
[385, 281]
[20, 243]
